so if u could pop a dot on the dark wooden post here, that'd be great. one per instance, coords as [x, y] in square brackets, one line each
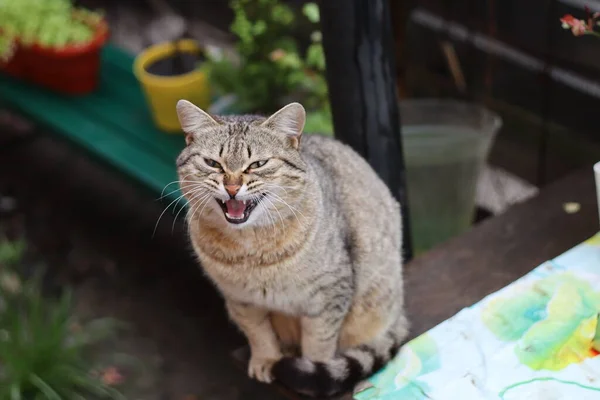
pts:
[359, 51]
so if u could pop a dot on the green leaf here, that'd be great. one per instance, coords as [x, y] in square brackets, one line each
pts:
[47, 22]
[291, 60]
[316, 36]
[259, 28]
[319, 122]
[11, 252]
[271, 69]
[44, 387]
[15, 392]
[311, 11]
[315, 56]
[282, 14]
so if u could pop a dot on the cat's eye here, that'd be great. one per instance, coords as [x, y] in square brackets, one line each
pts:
[257, 164]
[212, 163]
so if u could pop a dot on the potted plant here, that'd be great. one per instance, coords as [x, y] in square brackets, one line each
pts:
[169, 72]
[272, 66]
[52, 43]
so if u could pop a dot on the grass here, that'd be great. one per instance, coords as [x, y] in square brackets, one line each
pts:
[45, 352]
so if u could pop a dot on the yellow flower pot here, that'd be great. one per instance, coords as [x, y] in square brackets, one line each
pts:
[163, 92]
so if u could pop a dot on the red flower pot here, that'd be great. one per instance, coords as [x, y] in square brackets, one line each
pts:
[71, 70]
[14, 66]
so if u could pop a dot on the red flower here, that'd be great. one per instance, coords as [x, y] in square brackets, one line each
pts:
[577, 26]
[111, 376]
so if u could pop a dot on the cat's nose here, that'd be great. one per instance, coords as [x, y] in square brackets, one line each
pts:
[232, 189]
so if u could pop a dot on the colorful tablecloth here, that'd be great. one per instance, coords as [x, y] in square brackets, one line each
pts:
[537, 338]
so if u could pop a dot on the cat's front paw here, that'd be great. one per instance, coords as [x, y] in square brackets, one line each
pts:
[260, 368]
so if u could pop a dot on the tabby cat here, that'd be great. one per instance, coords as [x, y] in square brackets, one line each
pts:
[304, 242]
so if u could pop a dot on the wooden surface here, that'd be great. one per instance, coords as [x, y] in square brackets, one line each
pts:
[113, 123]
[495, 253]
[499, 251]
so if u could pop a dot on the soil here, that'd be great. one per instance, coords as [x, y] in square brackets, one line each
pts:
[177, 64]
[92, 231]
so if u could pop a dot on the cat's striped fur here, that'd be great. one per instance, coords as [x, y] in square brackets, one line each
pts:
[313, 278]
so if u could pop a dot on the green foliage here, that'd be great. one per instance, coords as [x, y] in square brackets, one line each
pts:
[271, 70]
[49, 23]
[11, 252]
[46, 353]
[311, 10]
[319, 121]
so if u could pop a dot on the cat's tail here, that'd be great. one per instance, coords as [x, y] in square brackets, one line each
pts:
[341, 373]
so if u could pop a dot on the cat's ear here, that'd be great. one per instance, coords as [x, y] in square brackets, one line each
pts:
[289, 121]
[193, 120]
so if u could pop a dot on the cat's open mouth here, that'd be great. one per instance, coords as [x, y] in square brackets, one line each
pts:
[237, 211]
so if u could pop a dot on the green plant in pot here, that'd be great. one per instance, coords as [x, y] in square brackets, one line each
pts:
[270, 68]
[52, 43]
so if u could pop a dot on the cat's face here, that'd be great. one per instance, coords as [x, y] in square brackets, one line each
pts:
[242, 171]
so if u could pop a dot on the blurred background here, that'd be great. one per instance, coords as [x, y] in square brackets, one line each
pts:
[495, 101]
[514, 56]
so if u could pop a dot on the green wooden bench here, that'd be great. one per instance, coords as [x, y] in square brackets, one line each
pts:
[113, 123]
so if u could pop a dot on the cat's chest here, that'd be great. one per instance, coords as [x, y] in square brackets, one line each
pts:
[274, 293]
[248, 250]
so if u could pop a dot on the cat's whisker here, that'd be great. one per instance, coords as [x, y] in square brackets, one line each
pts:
[177, 200]
[174, 191]
[299, 222]
[286, 203]
[256, 197]
[179, 212]
[175, 219]
[162, 193]
[263, 201]
[167, 195]
[276, 186]
[199, 197]
[280, 216]
[163, 213]
[279, 186]
[195, 184]
[292, 209]
[174, 182]
[194, 190]
[203, 207]
[273, 225]
[176, 215]
[189, 215]
[201, 203]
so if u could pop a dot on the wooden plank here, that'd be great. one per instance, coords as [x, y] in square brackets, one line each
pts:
[117, 57]
[112, 145]
[359, 50]
[499, 251]
[120, 99]
[113, 123]
[493, 254]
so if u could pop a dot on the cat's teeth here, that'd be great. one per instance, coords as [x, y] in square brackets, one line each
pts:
[232, 217]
